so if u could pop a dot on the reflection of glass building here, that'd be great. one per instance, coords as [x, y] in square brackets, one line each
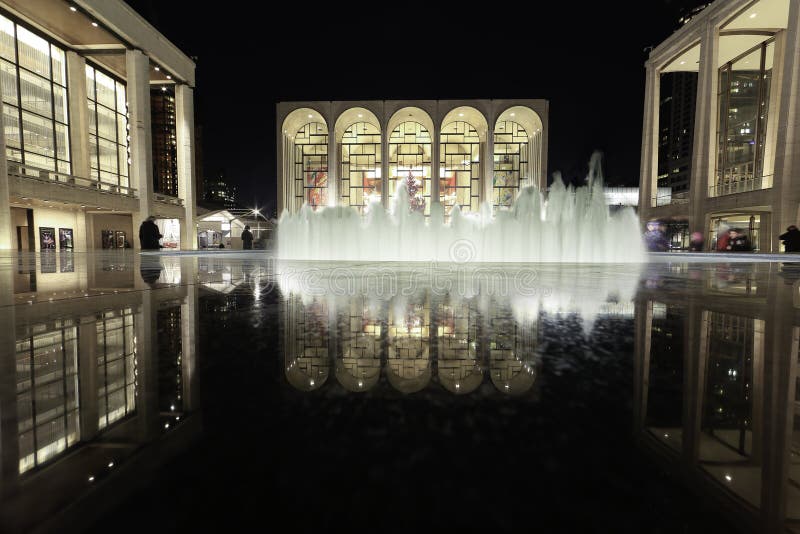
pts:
[716, 392]
[453, 153]
[743, 56]
[96, 365]
[95, 101]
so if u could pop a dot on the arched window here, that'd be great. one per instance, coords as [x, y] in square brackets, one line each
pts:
[410, 161]
[459, 182]
[361, 165]
[311, 165]
[510, 162]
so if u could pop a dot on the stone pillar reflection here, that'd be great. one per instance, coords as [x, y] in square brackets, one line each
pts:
[9, 426]
[147, 368]
[184, 132]
[488, 168]
[190, 318]
[87, 367]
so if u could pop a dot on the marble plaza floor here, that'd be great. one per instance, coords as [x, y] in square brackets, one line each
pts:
[207, 391]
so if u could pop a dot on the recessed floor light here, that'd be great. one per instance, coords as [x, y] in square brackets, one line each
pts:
[94, 24]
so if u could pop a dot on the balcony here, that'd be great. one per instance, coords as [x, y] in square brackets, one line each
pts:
[740, 185]
[167, 199]
[27, 172]
[669, 199]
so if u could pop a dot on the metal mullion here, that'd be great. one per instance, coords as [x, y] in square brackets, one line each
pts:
[105, 370]
[53, 124]
[21, 135]
[758, 126]
[97, 142]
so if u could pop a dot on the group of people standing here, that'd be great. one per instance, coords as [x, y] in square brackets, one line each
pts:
[728, 240]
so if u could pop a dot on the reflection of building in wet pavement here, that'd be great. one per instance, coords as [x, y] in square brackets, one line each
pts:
[94, 368]
[716, 389]
[411, 340]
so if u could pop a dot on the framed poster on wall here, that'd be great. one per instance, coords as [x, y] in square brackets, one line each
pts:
[65, 241]
[47, 237]
[120, 238]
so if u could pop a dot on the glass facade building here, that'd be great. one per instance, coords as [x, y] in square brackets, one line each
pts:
[720, 124]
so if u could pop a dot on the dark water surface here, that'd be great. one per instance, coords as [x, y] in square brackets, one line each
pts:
[196, 393]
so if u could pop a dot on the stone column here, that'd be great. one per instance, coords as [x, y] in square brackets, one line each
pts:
[786, 184]
[488, 166]
[184, 131]
[385, 168]
[138, 69]
[78, 115]
[705, 128]
[435, 147]
[649, 142]
[6, 235]
[333, 170]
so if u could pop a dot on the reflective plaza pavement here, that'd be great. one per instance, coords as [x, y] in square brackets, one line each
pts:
[189, 392]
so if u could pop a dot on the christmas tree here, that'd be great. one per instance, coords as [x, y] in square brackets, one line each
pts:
[415, 203]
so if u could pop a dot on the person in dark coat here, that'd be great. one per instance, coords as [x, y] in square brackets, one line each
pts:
[791, 239]
[247, 238]
[738, 241]
[149, 234]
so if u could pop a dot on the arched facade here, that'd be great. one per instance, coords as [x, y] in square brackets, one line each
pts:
[359, 150]
[443, 149]
[462, 151]
[517, 158]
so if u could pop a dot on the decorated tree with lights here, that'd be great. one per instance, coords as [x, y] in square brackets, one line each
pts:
[415, 201]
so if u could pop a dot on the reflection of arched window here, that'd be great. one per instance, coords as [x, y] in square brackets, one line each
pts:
[458, 365]
[460, 176]
[512, 351]
[306, 343]
[359, 330]
[361, 165]
[410, 160]
[311, 165]
[510, 162]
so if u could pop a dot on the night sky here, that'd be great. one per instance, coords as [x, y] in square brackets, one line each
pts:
[584, 57]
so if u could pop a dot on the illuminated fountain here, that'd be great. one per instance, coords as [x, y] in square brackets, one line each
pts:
[567, 225]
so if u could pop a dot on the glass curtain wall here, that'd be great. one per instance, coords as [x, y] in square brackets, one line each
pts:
[47, 392]
[109, 137]
[361, 165]
[34, 86]
[311, 165]
[743, 104]
[116, 367]
[410, 163]
[510, 163]
[459, 180]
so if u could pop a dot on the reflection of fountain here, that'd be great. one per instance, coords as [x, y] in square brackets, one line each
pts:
[570, 225]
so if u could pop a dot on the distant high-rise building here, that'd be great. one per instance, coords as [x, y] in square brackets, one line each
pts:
[676, 129]
[218, 192]
[165, 143]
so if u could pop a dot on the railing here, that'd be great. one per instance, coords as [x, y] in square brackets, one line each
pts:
[668, 200]
[44, 175]
[168, 199]
[740, 186]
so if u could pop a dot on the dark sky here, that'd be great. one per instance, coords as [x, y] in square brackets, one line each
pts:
[586, 58]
